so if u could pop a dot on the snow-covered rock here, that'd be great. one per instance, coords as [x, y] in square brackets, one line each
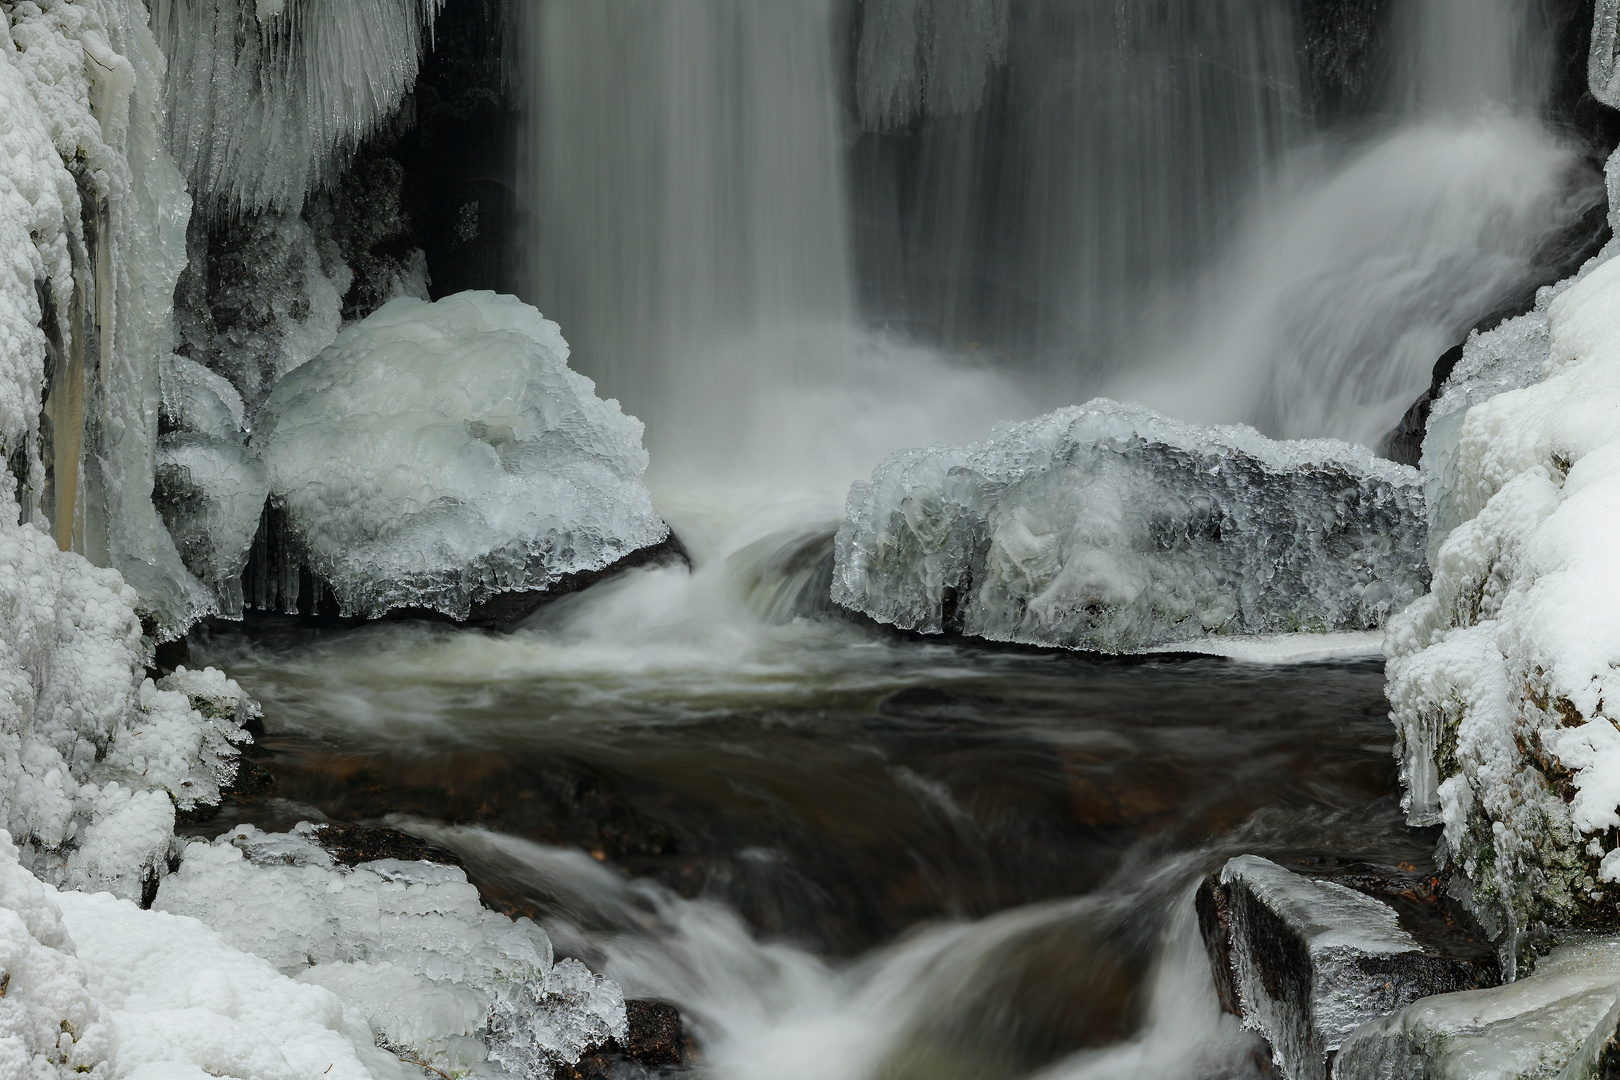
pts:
[1552, 1024]
[93, 986]
[437, 455]
[94, 756]
[406, 943]
[1503, 678]
[1110, 527]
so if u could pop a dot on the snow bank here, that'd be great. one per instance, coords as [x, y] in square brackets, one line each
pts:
[94, 756]
[1110, 527]
[439, 454]
[95, 987]
[407, 944]
[1503, 679]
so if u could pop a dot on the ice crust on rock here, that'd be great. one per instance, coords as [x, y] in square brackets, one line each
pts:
[209, 487]
[94, 756]
[1502, 679]
[1313, 960]
[261, 295]
[438, 454]
[1545, 1026]
[95, 987]
[1110, 527]
[407, 944]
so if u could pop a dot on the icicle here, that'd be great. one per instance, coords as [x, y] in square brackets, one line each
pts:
[266, 98]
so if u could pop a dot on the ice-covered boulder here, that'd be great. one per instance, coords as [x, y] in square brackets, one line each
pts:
[407, 944]
[1110, 527]
[438, 455]
[209, 487]
[1307, 962]
[1556, 1024]
[1503, 679]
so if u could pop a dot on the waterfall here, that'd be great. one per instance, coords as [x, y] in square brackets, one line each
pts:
[1106, 156]
[739, 209]
[1380, 246]
[690, 214]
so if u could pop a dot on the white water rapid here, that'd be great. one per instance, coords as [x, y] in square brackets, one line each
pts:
[791, 253]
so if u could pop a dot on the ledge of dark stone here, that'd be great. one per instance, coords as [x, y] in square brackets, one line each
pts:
[351, 845]
[656, 1041]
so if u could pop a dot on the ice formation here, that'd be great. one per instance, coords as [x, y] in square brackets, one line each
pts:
[1603, 63]
[93, 755]
[99, 217]
[1109, 527]
[407, 944]
[1540, 1026]
[266, 100]
[1503, 678]
[439, 454]
[210, 488]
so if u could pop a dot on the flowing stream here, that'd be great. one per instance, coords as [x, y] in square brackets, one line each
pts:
[794, 237]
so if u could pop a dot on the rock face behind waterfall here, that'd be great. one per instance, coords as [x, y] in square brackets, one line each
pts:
[1110, 527]
[438, 455]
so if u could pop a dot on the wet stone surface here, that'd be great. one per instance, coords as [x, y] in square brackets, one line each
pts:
[1305, 958]
[656, 1042]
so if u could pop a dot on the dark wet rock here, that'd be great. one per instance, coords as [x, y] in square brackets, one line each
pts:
[1307, 962]
[655, 1042]
[351, 845]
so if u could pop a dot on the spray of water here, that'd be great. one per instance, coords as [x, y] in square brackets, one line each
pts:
[687, 165]
[1329, 314]
[934, 1005]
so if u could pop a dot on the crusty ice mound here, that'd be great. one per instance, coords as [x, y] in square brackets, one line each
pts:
[437, 455]
[1109, 527]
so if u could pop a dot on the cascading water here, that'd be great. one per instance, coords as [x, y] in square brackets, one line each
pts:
[1381, 246]
[777, 231]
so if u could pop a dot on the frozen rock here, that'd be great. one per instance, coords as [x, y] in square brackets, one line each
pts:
[1511, 356]
[93, 755]
[1311, 961]
[440, 455]
[406, 943]
[1557, 1022]
[261, 295]
[1501, 679]
[1110, 527]
[209, 487]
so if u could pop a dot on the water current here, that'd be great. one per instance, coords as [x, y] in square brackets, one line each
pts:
[840, 853]
[843, 853]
